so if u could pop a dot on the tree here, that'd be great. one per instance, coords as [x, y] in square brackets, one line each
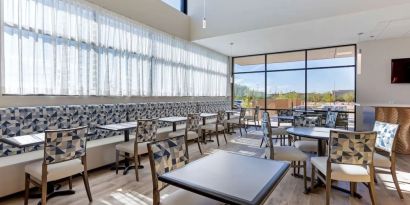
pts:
[328, 97]
[348, 97]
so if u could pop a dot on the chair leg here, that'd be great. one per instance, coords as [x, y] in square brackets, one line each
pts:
[312, 178]
[117, 159]
[372, 192]
[396, 182]
[27, 189]
[263, 138]
[199, 145]
[240, 130]
[328, 185]
[70, 182]
[254, 120]
[87, 185]
[298, 167]
[352, 188]
[43, 192]
[136, 161]
[304, 177]
[226, 141]
[217, 137]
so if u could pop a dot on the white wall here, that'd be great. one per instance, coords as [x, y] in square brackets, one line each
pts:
[373, 84]
[153, 13]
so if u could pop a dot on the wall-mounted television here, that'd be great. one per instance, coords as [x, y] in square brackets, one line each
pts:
[400, 70]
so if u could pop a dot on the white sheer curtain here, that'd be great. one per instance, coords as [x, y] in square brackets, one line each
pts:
[67, 47]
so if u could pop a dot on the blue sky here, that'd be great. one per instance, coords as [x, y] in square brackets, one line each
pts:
[174, 3]
[321, 80]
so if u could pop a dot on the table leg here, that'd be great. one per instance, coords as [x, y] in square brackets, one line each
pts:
[52, 191]
[174, 126]
[321, 144]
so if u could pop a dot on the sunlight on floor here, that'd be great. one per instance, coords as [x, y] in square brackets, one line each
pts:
[247, 141]
[128, 197]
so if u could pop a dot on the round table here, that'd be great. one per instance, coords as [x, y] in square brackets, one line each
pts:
[320, 133]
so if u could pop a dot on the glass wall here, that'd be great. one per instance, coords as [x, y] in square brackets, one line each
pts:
[318, 79]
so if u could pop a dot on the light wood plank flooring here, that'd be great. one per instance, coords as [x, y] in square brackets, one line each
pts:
[109, 189]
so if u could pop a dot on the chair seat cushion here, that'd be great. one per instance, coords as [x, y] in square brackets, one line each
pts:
[289, 153]
[185, 197]
[55, 171]
[381, 161]
[191, 134]
[342, 172]
[128, 147]
[212, 127]
[306, 145]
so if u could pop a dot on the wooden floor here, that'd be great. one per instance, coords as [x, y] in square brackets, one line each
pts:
[108, 188]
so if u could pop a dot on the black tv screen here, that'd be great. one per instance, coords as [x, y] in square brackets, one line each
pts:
[400, 70]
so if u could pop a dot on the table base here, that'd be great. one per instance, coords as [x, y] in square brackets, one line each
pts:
[52, 191]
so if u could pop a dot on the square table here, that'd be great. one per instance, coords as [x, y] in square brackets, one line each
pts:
[173, 120]
[206, 115]
[125, 127]
[229, 177]
[24, 141]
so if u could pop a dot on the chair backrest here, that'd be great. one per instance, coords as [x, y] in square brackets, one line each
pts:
[65, 144]
[286, 112]
[193, 122]
[165, 156]
[257, 108]
[220, 117]
[146, 130]
[307, 121]
[331, 119]
[386, 135]
[242, 113]
[355, 148]
[267, 134]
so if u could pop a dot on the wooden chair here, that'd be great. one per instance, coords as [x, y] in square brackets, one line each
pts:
[191, 130]
[350, 159]
[217, 127]
[306, 144]
[238, 122]
[254, 117]
[386, 141]
[284, 153]
[146, 132]
[64, 156]
[165, 156]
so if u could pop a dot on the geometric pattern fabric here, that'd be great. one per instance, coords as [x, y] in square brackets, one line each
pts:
[355, 148]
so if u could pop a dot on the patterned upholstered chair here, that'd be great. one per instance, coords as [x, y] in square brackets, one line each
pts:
[307, 144]
[146, 132]
[287, 112]
[331, 118]
[254, 117]
[64, 156]
[165, 156]
[386, 141]
[342, 120]
[238, 122]
[217, 127]
[284, 153]
[191, 130]
[350, 159]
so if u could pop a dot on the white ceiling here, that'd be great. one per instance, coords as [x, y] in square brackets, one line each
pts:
[262, 26]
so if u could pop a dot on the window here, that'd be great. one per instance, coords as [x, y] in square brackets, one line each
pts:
[180, 5]
[319, 79]
[56, 47]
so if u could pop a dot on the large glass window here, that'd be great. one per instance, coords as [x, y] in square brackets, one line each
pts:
[180, 5]
[318, 79]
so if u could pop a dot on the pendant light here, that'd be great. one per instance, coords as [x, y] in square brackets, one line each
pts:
[204, 18]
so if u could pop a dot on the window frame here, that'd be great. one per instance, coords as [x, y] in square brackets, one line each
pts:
[306, 69]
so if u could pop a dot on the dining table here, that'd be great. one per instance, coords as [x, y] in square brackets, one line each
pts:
[125, 127]
[229, 177]
[173, 120]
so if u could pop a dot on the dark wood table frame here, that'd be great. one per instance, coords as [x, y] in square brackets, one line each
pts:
[173, 120]
[193, 177]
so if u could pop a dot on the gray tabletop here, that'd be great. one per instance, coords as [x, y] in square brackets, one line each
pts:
[24, 140]
[311, 132]
[284, 117]
[208, 114]
[232, 111]
[119, 126]
[172, 119]
[230, 178]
